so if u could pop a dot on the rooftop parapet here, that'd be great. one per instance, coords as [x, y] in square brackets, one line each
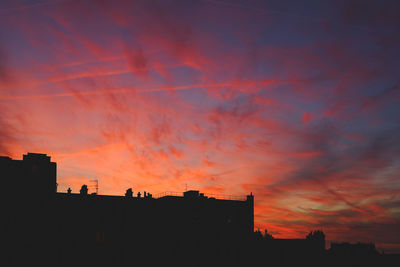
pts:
[36, 156]
[197, 194]
[5, 158]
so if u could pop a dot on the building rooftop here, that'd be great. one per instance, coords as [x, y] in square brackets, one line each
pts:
[197, 194]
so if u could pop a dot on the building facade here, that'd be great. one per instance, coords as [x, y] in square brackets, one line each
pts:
[79, 229]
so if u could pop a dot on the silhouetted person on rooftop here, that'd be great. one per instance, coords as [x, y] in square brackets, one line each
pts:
[138, 194]
[69, 190]
[84, 190]
[129, 192]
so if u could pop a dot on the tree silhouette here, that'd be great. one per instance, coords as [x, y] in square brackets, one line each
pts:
[258, 235]
[267, 235]
[316, 235]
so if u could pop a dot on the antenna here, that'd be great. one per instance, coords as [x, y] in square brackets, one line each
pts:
[186, 186]
[95, 185]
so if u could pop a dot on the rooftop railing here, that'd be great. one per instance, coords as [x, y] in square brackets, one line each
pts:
[227, 197]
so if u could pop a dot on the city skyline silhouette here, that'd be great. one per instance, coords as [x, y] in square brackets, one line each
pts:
[53, 228]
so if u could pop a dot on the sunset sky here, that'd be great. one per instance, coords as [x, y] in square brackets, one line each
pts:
[297, 102]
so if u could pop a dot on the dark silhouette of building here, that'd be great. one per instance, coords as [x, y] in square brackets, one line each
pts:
[348, 249]
[81, 229]
[358, 254]
[33, 176]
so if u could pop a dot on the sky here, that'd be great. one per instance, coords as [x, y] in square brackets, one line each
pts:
[294, 101]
